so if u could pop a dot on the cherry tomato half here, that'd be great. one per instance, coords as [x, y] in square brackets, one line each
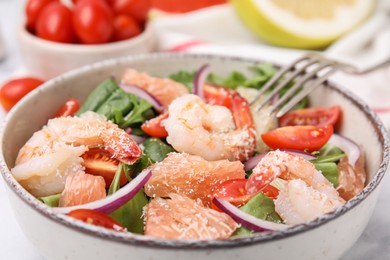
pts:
[55, 23]
[93, 21]
[125, 27]
[101, 163]
[14, 90]
[32, 10]
[70, 108]
[96, 218]
[180, 6]
[154, 128]
[312, 116]
[138, 9]
[233, 191]
[309, 138]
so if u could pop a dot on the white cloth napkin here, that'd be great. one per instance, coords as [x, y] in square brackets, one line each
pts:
[218, 30]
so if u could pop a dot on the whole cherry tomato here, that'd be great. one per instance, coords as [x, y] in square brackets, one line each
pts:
[14, 90]
[96, 218]
[138, 9]
[93, 21]
[309, 137]
[312, 116]
[55, 23]
[69, 108]
[180, 6]
[125, 27]
[32, 10]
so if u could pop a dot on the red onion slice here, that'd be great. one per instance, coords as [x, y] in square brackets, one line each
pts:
[349, 147]
[252, 162]
[138, 139]
[248, 221]
[199, 80]
[142, 93]
[116, 200]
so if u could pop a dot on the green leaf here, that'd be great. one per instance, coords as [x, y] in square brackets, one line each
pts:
[156, 149]
[130, 215]
[142, 163]
[52, 200]
[136, 115]
[98, 96]
[184, 77]
[117, 103]
[262, 207]
[329, 170]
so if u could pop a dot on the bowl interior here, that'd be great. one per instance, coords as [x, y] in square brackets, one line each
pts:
[359, 122]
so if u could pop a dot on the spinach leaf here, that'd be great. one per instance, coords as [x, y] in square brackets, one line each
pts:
[142, 163]
[98, 96]
[52, 200]
[184, 77]
[118, 103]
[130, 214]
[138, 114]
[262, 207]
[330, 171]
[156, 149]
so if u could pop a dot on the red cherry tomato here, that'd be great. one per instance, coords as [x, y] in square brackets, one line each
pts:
[135, 8]
[70, 108]
[99, 162]
[125, 27]
[96, 218]
[233, 191]
[270, 191]
[55, 23]
[154, 128]
[311, 116]
[180, 6]
[14, 90]
[32, 10]
[310, 138]
[93, 21]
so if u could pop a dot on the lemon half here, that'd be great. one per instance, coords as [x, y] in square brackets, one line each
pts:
[306, 24]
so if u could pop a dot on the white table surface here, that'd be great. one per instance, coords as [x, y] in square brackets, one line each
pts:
[374, 244]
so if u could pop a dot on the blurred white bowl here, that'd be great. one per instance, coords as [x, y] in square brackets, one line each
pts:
[46, 59]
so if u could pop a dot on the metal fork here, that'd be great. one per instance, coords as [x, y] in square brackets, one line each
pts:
[307, 72]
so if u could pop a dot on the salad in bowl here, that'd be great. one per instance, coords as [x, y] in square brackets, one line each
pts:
[171, 152]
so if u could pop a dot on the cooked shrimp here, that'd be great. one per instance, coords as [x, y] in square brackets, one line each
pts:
[351, 178]
[191, 176]
[278, 164]
[209, 131]
[54, 152]
[180, 217]
[297, 203]
[165, 90]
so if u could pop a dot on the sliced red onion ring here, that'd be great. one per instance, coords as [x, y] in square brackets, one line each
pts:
[248, 221]
[199, 80]
[138, 139]
[116, 200]
[140, 92]
[349, 147]
[252, 162]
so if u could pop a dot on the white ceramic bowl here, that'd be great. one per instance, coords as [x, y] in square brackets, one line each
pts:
[60, 237]
[47, 59]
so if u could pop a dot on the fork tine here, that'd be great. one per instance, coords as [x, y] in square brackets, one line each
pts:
[277, 77]
[285, 81]
[295, 98]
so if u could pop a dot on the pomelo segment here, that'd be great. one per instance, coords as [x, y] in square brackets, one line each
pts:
[302, 24]
[179, 217]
